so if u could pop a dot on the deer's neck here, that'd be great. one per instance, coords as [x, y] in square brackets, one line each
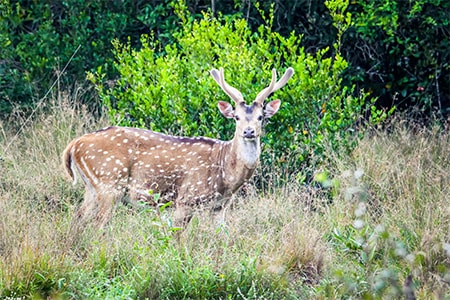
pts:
[240, 159]
[246, 152]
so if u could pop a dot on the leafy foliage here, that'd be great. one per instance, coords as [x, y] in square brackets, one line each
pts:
[396, 52]
[39, 38]
[174, 93]
[401, 52]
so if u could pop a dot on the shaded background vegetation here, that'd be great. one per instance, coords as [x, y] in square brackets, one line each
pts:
[397, 51]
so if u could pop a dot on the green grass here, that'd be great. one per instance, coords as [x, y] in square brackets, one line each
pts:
[384, 217]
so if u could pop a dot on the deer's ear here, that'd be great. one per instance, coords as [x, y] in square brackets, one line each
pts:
[271, 108]
[226, 109]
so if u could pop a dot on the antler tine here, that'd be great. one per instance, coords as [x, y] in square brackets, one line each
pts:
[232, 92]
[274, 86]
[266, 92]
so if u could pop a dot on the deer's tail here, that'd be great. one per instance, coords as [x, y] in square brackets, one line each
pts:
[68, 163]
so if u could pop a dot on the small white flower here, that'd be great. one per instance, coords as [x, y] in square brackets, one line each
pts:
[410, 257]
[360, 210]
[358, 224]
[400, 251]
[446, 247]
[358, 173]
[346, 174]
[379, 228]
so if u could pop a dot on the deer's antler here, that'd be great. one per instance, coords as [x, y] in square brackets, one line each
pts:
[229, 90]
[274, 86]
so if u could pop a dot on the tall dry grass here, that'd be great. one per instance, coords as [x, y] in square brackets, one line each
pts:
[382, 218]
[137, 256]
[395, 189]
[35, 200]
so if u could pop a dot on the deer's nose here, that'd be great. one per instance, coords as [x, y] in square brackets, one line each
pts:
[249, 133]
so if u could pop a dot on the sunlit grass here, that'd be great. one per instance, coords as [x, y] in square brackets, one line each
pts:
[383, 216]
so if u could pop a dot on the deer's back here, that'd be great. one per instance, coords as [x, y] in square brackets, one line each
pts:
[142, 162]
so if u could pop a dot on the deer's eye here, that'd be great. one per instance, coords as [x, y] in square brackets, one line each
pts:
[236, 117]
[260, 118]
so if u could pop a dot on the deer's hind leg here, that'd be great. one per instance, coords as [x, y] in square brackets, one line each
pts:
[97, 207]
[87, 210]
[81, 217]
[107, 203]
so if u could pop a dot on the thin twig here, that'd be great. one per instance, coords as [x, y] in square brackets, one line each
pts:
[59, 74]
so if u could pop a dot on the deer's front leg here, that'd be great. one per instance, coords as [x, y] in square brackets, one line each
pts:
[182, 215]
[220, 208]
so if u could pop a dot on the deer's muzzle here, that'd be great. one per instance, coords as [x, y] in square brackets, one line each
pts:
[249, 133]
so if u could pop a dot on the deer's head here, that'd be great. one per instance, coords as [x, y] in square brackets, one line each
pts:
[249, 118]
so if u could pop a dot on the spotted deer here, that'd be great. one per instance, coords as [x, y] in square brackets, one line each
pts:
[118, 161]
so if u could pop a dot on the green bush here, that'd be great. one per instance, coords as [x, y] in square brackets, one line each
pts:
[401, 52]
[174, 92]
[397, 52]
[40, 39]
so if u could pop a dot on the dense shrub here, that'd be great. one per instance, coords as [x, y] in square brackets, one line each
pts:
[401, 51]
[39, 38]
[398, 52]
[174, 93]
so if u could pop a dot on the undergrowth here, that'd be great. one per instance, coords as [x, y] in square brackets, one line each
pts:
[374, 225]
